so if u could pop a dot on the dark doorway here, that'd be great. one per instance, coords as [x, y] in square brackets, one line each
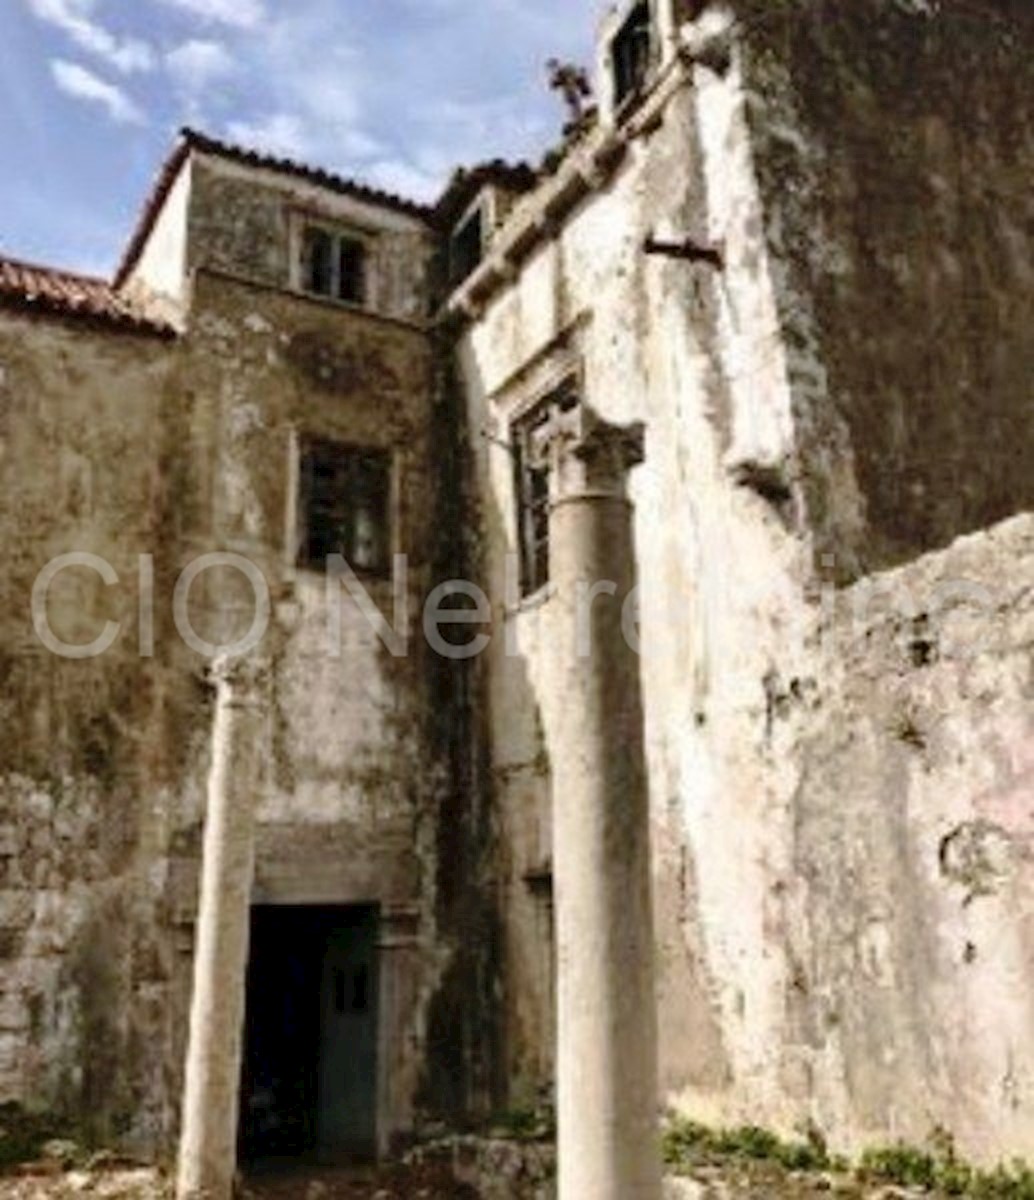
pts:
[309, 1076]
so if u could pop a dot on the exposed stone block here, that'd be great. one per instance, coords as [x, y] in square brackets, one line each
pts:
[14, 1012]
[16, 909]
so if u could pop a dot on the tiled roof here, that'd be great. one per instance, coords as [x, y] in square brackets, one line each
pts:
[191, 139]
[287, 166]
[35, 289]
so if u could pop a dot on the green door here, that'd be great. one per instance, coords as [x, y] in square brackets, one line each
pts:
[347, 1104]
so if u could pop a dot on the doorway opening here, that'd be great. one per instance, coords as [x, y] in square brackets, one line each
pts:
[309, 1067]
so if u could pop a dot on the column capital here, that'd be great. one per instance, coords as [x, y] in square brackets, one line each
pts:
[242, 680]
[586, 455]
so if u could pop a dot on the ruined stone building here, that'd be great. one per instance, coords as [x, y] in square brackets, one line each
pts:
[793, 241]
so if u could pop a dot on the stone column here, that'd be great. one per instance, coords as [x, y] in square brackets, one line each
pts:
[607, 1089]
[208, 1141]
[667, 16]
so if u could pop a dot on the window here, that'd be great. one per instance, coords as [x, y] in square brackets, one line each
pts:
[345, 506]
[532, 487]
[466, 247]
[632, 51]
[333, 264]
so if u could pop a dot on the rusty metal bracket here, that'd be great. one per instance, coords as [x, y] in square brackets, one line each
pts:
[689, 251]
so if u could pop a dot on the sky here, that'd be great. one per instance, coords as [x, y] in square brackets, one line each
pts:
[393, 92]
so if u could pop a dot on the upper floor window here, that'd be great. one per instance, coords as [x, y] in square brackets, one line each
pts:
[532, 470]
[333, 264]
[466, 246]
[344, 506]
[632, 51]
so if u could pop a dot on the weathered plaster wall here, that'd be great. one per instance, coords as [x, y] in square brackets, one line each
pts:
[767, 1012]
[241, 223]
[375, 790]
[350, 809]
[373, 758]
[97, 755]
[713, 558]
[908, 908]
[176, 449]
[893, 146]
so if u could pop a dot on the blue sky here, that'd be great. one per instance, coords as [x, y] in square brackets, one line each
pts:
[395, 92]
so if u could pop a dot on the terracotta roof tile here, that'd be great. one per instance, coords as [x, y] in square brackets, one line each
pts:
[36, 289]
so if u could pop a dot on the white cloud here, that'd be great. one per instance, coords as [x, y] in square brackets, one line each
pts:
[76, 81]
[395, 175]
[279, 133]
[311, 103]
[357, 143]
[197, 63]
[483, 128]
[404, 112]
[75, 18]
[242, 14]
[319, 144]
[315, 85]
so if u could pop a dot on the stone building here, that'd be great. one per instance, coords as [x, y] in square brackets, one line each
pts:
[793, 241]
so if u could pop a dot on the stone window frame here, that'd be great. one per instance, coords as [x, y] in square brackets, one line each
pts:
[561, 357]
[295, 516]
[625, 103]
[341, 229]
[479, 208]
[562, 378]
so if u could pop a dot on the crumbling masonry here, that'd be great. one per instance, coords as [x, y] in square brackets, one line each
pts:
[790, 248]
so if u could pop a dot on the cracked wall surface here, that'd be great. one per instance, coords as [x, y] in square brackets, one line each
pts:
[122, 447]
[813, 892]
[907, 907]
[97, 754]
[837, 690]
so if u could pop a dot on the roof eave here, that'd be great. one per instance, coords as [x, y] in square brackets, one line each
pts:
[42, 306]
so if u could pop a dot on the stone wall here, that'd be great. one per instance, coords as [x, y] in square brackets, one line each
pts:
[243, 221]
[892, 145]
[797, 825]
[907, 900]
[717, 564]
[126, 447]
[97, 755]
[363, 762]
